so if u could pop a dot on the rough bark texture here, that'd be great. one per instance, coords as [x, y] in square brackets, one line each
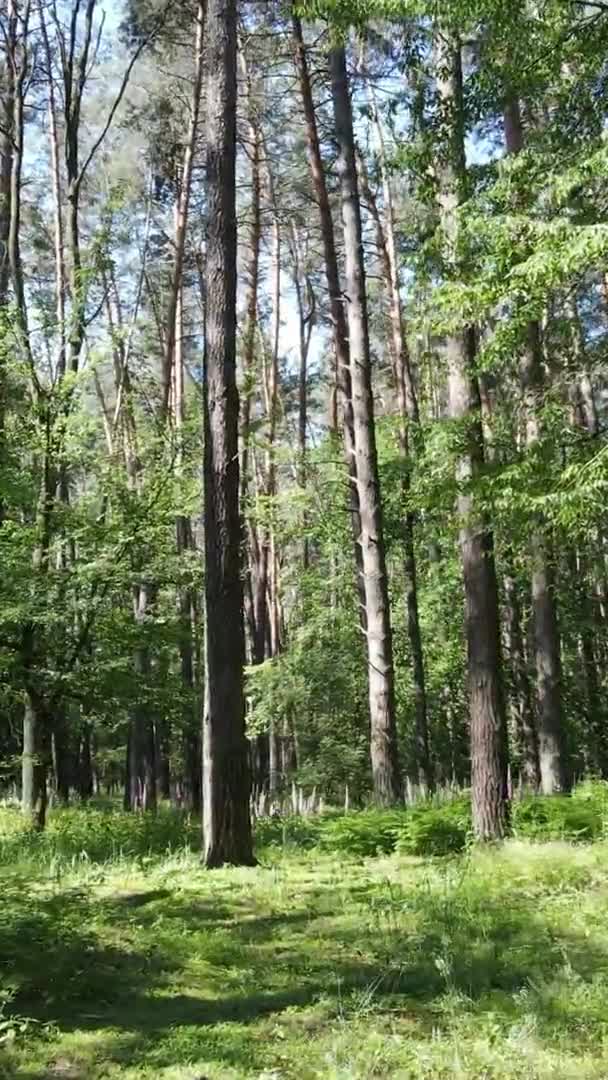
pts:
[384, 753]
[486, 704]
[226, 783]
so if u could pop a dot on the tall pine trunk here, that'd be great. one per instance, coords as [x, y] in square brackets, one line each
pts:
[409, 436]
[227, 834]
[482, 627]
[383, 730]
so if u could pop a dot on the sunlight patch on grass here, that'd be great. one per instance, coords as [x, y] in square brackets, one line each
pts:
[489, 966]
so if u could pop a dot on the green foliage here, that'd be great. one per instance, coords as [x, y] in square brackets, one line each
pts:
[582, 816]
[89, 835]
[292, 831]
[436, 830]
[362, 834]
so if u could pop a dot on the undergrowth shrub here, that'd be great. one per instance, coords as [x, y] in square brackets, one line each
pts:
[436, 830]
[82, 833]
[580, 816]
[96, 835]
[363, 833]
[291, 831]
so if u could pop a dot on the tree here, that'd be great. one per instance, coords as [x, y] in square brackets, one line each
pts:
[486, 705]
[551, 750]
[384, 752]
[226, 823]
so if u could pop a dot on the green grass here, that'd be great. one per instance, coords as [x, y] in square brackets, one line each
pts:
[315, 965]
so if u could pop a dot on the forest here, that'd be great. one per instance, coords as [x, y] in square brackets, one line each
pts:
[304, 550]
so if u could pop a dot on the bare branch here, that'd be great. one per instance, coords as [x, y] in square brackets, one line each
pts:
[121, 92]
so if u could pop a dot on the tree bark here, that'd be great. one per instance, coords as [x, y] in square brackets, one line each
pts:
[409, 428]
[482, 628]
[524, 721]
[227, 834]
[34, 763]
[384, 750]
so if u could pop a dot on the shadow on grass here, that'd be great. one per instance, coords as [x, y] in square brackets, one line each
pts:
[185, 977]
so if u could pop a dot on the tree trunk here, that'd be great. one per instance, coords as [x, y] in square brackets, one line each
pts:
[552, 752]
[336, 300]
[384, 751]
[191, 740]
[144, 741]
[57, 195]
[127, 803]
[162, 754]
[34, 770]
[486, 705]
[519, 697]
[141, 753]
[409, 433]
[60, 752]
[85, 764]
[227, 834]
[583, 389]
[524, 721]
[553, 770]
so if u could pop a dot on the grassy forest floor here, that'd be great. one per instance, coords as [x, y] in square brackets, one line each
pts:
[491, 964]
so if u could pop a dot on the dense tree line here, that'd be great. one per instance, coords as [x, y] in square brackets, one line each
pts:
[304, 312]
